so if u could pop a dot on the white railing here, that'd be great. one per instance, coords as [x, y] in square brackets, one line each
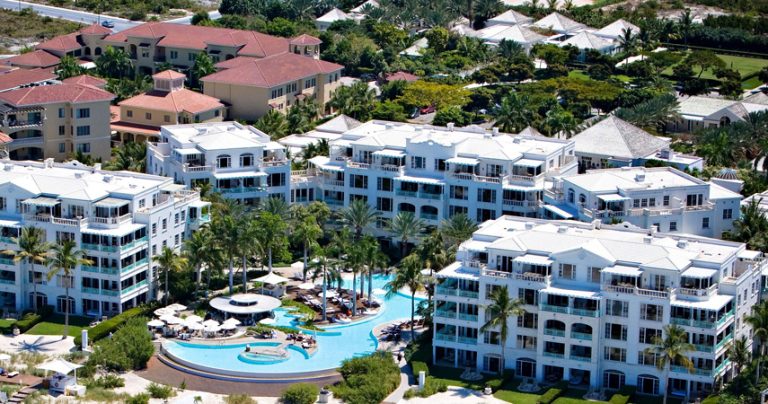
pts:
[636, 291]
[357, 164]
[196, 169]
[525, 204]
[698, 292]
[112, 220]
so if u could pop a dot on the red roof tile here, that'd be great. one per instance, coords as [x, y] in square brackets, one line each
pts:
[305, 39]
[173, 101]
[168, 75]
[56, 93]
[61, 43]
[401, 75]
[86, 80]
[23, 77]
[38, 58]
[95, 29]
[270, 71]
[130, 127]
[251, 43]
[5, 138]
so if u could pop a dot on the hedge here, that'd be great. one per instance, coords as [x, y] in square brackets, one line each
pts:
[623, 396]
[28, 320]
[418, 366]
[553, 393]
[104, 328]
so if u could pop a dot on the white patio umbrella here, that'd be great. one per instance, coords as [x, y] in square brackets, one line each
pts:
[212, 328]
[228, 326]
[379, 291]
[210, 323]
[194, 318]
[307, 286]
[231, 320]
[171, 319]
[60, 366]
[155, 323]
[164, 311]
[267, 321]
[194, 326]
[329, 294]
[176, 307]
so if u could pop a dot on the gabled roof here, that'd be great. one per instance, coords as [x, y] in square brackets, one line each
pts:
[401, 75]
[169, 75]
[613, 137]
[510, 17]
[250, 43]
[37, 58]
[177, 101]
[757, 98]
[74, 93]
[616, 29]
[23, 77]
[95, 29]
[61, 43]
[559, 23]
[530, 131]
[359, 9]
[334, 15]
[588, 40]
[271, 71]
[87, 80]
[517, 33]
[339, 124]
[305, 39]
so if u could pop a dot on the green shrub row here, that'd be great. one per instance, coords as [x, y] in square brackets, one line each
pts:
[111, 325]
[623, 395]
[28, 320]
[367, 379]
[300, 393]
[418, 366]
[432, 386]
[553, 393]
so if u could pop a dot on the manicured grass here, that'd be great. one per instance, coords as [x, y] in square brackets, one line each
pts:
[54, 325]
[516, 397]
[744, 65]
[751, 83]
[581, 74]
[4, 323]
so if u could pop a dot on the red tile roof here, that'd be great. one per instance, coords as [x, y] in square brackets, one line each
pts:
[61, 43]
[75, 93]
[95, 29]
[38, 58]
[401, 75]
[251, 43]
[130, 127]
[271, 71]
[23, 77]
[305, 39]
[86, 80]
[5, 138]
[173, 101]
[168, 75]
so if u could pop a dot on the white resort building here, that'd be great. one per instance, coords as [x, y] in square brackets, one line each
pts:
[662, 197]
[595, 299]
[120, 219]
[435, 172]
[240, 162]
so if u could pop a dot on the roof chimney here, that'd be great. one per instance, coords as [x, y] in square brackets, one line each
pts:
[640, 177]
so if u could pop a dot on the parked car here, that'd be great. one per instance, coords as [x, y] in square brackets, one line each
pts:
[428, 109]
[415, 113]
[108, 24]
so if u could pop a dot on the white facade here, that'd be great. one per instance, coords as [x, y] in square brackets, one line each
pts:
[595, 298]
[121, 219]
[664, 197]
[240, 162]
[435, 172]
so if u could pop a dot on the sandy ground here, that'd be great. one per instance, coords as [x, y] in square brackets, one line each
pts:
[44, 344]
[455, 395]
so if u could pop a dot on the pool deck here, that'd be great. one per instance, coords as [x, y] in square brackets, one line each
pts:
[281, 337]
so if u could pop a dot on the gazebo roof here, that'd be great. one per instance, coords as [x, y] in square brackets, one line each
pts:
[272, 279]
[245, 303]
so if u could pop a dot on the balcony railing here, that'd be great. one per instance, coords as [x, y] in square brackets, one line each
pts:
[411, 194]
[636, 291]
[135, 286]
[93, 291]
[445, 337]
[698, 292]
[428, 216]
[554, 332]
[522, 204]
[440, 290]
[26, 123]
[468, 293]
[553, 309]
[467, 340]
[581, 335]
[9, 240]
[7, 261]
[334, 183]
[580, 358]
[429, 195]
[133, 244]
[445, 314]
[568, 310]
[703, 347]
[554, 354]
[112, 220]
[725, 340]
[7, 281]
[468, 317]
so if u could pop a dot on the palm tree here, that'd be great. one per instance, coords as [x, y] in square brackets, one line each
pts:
[559, 121]
[501, 309]
[277, 206]
[750, 224]
[250, 244]
[355, 260]
[652, 114]
[685, 23]
[514, 113]
[273, 124]
[271, 234]
[552, 4]
[458, 228]
[307, 232]
[33, 249]
[356, 101]
[375, 258]
[739, 353]
[671, 350]
[759, 322]
[63, 260]
[324, 266]
[226, 226]
[405, 226]
[114, 63]
[130, 156]
[627, 41]
[68, 67]
[359, 216]
[485, 10]
[203, 66]
[169, 261]
[197, 248]
[408, 276]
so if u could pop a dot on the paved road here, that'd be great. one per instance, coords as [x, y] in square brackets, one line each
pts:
[85, 17]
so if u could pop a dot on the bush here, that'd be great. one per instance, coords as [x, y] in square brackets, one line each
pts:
[239, 399]
[160, 391]
[418, 366]
[129, 348]
[367, 379]
[28, 320]
[301, 393]
[104, 328]
[553, 393]
[141, 398]
[623, 396]
[109, 381]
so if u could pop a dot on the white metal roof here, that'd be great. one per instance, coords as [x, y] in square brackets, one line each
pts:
[699, 273]
[715, 302]
[389, 153]
[586, 294]
[240, 174]
[554, 209]
[467, 161]
[623, 270]
[457, 271]
[533, 259]
[420, 180]
[612, 197]
[528, 163]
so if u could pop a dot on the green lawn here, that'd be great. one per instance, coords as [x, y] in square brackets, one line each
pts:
[744, 65]
[581, 74]
[54, 325]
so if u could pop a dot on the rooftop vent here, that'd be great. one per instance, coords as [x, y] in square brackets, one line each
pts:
[8, 167]
[640, 177]
[562, 229]
[107, 178]
[529, 225]
[389, 126]
[682, 243]
[647, 239]
[79, 175]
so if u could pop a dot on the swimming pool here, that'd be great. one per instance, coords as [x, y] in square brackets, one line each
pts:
[338, 343]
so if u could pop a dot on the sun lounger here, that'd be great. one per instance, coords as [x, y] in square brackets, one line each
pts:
[13, 374]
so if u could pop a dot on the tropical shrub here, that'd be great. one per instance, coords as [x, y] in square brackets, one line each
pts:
[239, 399]
[160, 391]
[300, 393]
[104, 328]
[129, 348]
[141, 398]
[367, 379]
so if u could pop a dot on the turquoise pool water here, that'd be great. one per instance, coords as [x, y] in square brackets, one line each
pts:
[339, 342]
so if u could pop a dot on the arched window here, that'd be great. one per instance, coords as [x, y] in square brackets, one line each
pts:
[97, 51]
[246, 160]
[224, 161]
[613, 379]
[428, 212]
[65, 304]
[582, 199]
[554, 327]
[87, 51]
[571, 195]
[406, 207]
[581, 331]
[725, 121]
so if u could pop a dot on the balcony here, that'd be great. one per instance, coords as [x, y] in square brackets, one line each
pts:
[27, 123]
[429, 195]
[697, 292]
[722, 366]
[333, 183]
[703, 348]
[5, 281]
[56, 220]
[554, 332]
[467, 340]
[428, 216]
[581, 336]
[468, 317]
[569, 310]
[135, 286]
[9, 240]
[112, 221]
[93, 291]
[7, 261]
[520, 204]
[440, 290]
[445, 337]
[135, 265]
[196, 169]
[469, 293]
[445, 314]
[553, 309]
[580, 358]
[523, 179]
[410, 194]
[725, 341]
[110, 292]
[133, 244]
[554, 354]
[635, 291]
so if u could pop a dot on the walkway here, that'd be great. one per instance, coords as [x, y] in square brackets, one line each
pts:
[44, 344]
[456, 395]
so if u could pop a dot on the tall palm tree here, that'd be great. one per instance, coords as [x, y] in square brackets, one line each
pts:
[68, 67]
[272, 234]
[63, 260]
[359, 216]
[514, 113]
[356, 101]
[227, 230]
[375, 259]
[627, 41]
[169, 261]
[671, 350]
[405, 226]
[739, 353]
[355, 260]
[501, 309]
[273, 124]
[307, 232]
[33, 249]
[750, 224]
[250, 244]
[485, 10]
[759, 322]
[202, 67]
[458, 228]
[198, 247]
[277, 206]
[130, 156]
[114, 63]
[326, 267]
[408, 276]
